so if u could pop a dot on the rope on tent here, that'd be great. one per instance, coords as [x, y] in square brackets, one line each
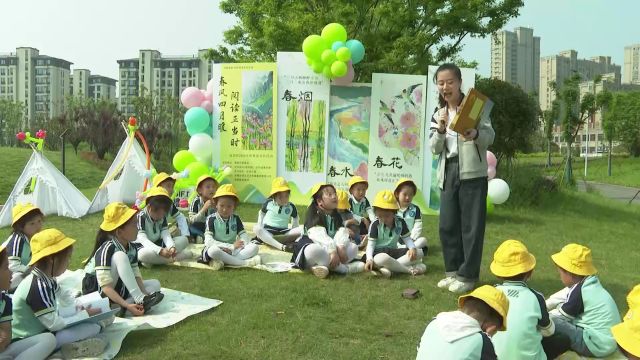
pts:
[121, 164]
[146, 152]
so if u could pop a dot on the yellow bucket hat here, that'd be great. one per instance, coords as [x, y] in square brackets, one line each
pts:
[403, 181]
[343, 200]
[157, 191]
[357, 180]
[633, 300]
[317, 187]
[226, 190]
[627, 335]
[161, 177]
[385, 200]
[493, 297]
[512, 258]
[575, 259]
[203, 178]
[20, 210]
[48, 242]
[115, 215]
[279, 184]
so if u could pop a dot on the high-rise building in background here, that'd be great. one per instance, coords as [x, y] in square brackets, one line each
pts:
[515, 58]
[156, 74]
[96, 87]
[42, 83]
[631, 65]
[558, 68]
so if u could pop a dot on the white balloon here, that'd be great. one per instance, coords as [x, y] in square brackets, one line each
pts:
[201, 145]
[498, 191]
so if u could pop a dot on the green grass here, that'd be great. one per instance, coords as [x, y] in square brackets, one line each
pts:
[84, 174]
[287, 316]
[625, 170]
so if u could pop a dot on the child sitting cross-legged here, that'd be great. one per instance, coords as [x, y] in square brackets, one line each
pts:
[465, 334]
[274, 217]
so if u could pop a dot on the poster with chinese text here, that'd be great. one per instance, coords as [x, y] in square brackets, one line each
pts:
[348, 141]
[303, 104]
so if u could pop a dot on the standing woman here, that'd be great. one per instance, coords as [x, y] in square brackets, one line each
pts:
[462, 178]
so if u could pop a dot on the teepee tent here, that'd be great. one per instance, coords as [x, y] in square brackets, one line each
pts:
[53, 193]
[126, 175]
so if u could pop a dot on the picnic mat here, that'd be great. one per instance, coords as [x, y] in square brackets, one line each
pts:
[175, 307]
[570, 355]
[272, 260]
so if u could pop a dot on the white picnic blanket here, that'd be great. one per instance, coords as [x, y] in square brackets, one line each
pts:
[175, 307]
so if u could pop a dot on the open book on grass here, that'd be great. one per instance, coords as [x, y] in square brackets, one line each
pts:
[72, 316]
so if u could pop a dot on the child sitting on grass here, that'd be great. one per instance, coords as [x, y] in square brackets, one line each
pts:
[26, 221]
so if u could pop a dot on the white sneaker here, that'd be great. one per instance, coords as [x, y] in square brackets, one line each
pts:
[355, 267]
[446, 282]
[385, 273]
[184, 255]
[461, 287]
[253, 261]
[320, 271]
[216, 264]
[90, 347]
[418, 269]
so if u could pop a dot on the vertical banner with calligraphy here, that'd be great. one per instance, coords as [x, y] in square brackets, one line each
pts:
[396, 140]
[430, 176]
[348, 141]
[247, 128]
[303, 104]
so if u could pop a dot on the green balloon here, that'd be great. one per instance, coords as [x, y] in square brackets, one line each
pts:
[313, 46]
[196, 169]
[326, 71]
[339, 69]
[317, 67]
[490, 206]
[183, 158]
[309, 61]
[328, 57]
[334, 32]
[343, 54]
[197, 120]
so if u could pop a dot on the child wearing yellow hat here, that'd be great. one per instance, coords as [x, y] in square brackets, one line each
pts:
[112, 269]
[35, 302]
[465, 334]
[275, 215]
[360, 206]
[589, 312]
[155, 244]
[348, 220]
[325, 245]
[202, 205]
[225, 240]
[404, 192]
[627, 336]
[26, 221]
[528, 317]
[167, 182]
[36, 347]
[384, 234]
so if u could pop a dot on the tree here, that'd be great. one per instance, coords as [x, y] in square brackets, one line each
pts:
[103, 120]
[550, 119]
[603, 101]
[11, 119]
[399, 36]
[575, 111]
[73, 119]
[514, 117]
[624, 120]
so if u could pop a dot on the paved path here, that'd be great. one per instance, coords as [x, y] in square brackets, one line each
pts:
[616, 192]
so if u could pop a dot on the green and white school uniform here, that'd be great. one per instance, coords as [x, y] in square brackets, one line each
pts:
[385, 239]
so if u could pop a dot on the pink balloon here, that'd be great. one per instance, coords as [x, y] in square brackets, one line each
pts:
[191, 97]
[207, 105]
[208, 96]
[347, 78]
[491, 172]
[491, 159]
[210, 85]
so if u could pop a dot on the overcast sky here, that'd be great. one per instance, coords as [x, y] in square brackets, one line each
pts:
[94, 34]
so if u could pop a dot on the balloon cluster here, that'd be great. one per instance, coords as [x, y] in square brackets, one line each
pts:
[200, 119]
[331, 54]
[28, 139]
[498, 191]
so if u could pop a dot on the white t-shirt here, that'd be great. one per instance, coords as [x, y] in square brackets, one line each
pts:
[452, 137]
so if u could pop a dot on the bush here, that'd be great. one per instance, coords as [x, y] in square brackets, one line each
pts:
[528, 185]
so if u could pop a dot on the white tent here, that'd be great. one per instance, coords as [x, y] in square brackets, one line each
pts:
[53, 192]
[126, 175]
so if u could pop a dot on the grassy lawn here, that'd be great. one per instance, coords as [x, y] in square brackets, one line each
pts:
[286, 316]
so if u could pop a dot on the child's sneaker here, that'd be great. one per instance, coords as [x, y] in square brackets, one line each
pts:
[151, 300]
[253, 261]
[461, 287]
[355, 267]
[320, 271]
[446, 282]
[215, 264]
[385, 273]
[288, 247]
[418, 269]
[91, 347]
[256, 240]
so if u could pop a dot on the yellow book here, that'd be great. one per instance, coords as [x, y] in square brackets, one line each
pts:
[470, 111]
